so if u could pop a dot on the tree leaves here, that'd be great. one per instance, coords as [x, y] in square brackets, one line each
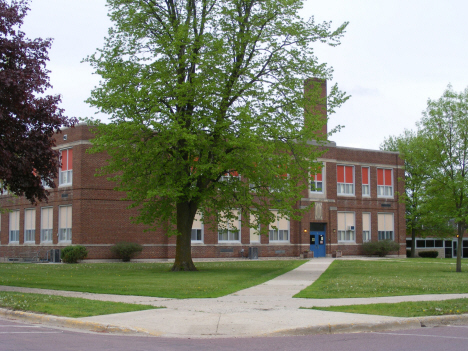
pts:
[27, 120]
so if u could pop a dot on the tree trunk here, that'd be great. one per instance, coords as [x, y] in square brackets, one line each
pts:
[461, 228]
[183, 258]
[413, 243]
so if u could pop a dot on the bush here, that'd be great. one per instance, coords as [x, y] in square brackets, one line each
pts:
[71, 254]
[429, 254]
[369, 248]
[126, 251]
[380, 248]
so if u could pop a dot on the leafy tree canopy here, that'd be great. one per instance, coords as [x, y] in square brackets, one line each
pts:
[436, 160]
[208, 109]
[28, 118]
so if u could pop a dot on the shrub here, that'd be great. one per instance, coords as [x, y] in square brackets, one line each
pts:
[369, 248]
[380, 248]
[126, 251]
[71, 254]
[429, 254]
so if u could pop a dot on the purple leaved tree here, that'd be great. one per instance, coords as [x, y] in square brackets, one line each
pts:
[28, 117]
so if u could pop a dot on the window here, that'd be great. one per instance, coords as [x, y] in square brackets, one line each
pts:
[366, 227]
[30, 225]
[420, 243]
[44, 184]
[281, 232]
[197, 228]
[277, 183]
[384, 182]
[65, 223]
[229, 230]
[385, 226]
[231, 176]
[14, 226]
[254, 232]
[46, 224]
[365, 181]
[346, 229]
[345, 178]
[66, 171]
[316, 183]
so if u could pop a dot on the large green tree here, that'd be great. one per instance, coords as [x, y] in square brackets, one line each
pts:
[444, 127]
[413, 197]
[208, 109]
[421, 219]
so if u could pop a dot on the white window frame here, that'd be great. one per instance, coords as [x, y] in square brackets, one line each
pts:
[343, 233]
[65, 229]
[66, 177]
[384, 233]
[315, 183]
[366, 234]
[345, 189]
[30, 228]
[197, 229]
[228, 229]
[47, 226]
[384, 191]
[13, 233]
[366, 187]
[278, 235]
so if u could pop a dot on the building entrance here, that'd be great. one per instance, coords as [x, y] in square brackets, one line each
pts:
[318, 239]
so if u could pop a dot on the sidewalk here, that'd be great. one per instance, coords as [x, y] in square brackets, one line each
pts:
[263, 310]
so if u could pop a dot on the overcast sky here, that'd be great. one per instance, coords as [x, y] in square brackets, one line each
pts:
[395, 55]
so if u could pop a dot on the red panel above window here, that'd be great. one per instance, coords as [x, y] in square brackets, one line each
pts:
[380, 176]
[349, 175]
[64, 154]
[388, 177]
[340, 174]
[70, 159]
[365, 175]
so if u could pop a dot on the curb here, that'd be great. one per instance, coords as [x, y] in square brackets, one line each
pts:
[402, 324]
[351, 328]
[438, 321]
[71, 323]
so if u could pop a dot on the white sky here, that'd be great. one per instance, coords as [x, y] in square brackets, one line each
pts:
[395, 55]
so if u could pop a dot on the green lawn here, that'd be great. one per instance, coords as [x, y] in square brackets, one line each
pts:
[359, 278]
[405, 309]
[214, 279]
[65, 306]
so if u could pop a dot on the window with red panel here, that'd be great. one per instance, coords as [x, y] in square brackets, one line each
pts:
[316, 183]
[345, 180]
[365, 181]
[66, 171]
[385, 182]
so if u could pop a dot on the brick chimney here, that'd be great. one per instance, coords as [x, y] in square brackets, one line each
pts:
[315, 91]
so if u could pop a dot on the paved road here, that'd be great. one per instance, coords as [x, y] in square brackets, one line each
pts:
[16, 336]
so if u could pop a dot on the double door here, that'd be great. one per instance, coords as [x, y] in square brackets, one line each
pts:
[317, 243]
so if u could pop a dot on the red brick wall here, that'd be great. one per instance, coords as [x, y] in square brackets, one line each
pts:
[101, 218]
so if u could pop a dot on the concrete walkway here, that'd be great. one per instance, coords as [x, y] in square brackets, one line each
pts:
[265, 309]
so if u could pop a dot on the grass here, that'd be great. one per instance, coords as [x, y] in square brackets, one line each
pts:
[405, 309]
[65, 306]
[358, 278]
[214, 279]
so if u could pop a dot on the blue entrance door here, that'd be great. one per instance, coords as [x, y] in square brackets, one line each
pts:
[317, 243]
